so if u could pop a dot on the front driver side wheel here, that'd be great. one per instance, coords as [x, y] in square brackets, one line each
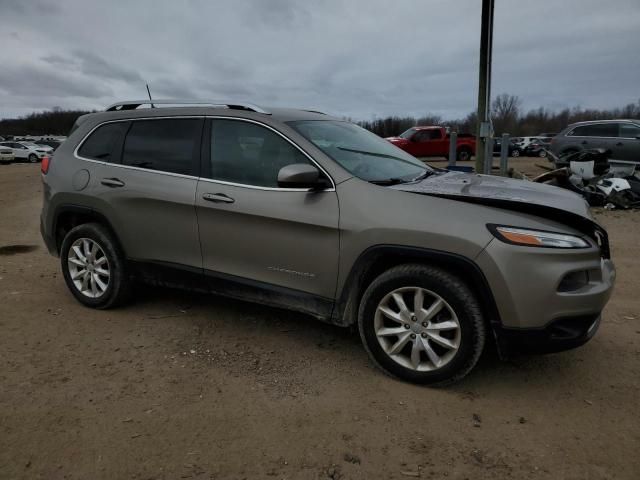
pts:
[421, 324]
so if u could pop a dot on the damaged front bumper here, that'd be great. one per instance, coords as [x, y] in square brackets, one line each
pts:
[561, 334]
[548, 299]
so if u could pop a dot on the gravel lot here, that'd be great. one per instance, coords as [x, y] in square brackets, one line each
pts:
[179, 385]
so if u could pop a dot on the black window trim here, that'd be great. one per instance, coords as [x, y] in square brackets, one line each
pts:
[118, 164]
[206, 155]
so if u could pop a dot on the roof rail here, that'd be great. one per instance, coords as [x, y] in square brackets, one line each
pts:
[133, 104]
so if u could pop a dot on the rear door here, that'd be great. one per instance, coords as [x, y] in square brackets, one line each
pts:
[627, 146]
[255, 232]
[595, 135]
[146, 181]
[20, 151]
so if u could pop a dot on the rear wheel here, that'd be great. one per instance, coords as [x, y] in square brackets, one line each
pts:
[421, 324]
[542, 153]
[33, 158]
[94, 267]
[463, 155]
[515, 153]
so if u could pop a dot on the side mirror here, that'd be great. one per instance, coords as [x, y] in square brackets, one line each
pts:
[300, 175]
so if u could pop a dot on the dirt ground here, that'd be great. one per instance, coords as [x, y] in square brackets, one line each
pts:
[178, 385]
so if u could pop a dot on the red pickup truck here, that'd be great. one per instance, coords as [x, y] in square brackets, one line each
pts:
[434, 142]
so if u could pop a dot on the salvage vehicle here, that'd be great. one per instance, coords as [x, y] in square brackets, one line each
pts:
[27, 151]
[434, 142]
[537, 148]
[308, 212]
[523, 142]
[621, 137]
[513, 149]
[6, 154]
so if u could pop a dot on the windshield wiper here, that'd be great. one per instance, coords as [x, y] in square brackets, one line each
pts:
[423, 175]
[389, 181]
[375, 154]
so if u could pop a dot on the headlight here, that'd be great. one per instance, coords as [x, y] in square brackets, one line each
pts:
[537, 238]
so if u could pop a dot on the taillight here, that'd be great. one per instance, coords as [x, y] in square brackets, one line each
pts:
[45, 163]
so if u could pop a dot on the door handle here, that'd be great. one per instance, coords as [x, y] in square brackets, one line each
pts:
[112, 182]
[584, 142]
[217, 198]
[619, 144]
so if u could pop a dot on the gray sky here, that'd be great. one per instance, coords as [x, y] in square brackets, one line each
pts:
[356, 58]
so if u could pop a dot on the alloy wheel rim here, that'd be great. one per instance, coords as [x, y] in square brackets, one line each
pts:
[88, 268]
[417, 329]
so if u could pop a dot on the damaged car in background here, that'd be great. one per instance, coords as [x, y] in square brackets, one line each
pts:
[601, 181]
[304, 211]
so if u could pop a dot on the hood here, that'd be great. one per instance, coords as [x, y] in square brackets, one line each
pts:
[489, 189]
[545, 201]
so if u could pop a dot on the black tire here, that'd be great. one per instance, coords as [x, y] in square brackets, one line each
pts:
[515, 153]
[463, 155]
[542, 153]
[33, 158]
[453, 291]
[119, 284]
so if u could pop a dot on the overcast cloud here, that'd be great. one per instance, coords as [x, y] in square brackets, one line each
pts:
[356, 58]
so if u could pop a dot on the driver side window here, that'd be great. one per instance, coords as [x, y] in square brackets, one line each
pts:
[422, 136]
[249, 154]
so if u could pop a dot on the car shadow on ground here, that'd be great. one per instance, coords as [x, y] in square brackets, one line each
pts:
[218, 319]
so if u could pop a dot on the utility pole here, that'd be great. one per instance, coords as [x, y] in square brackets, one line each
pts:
[483, 132]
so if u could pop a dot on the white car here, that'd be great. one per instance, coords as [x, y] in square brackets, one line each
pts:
[523, 142]
[27, 151]
[6, 154]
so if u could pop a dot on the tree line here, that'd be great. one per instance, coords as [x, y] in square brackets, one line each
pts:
[49, 122]
[507, 117]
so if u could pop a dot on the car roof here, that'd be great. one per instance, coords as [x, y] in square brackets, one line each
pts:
[615, 120]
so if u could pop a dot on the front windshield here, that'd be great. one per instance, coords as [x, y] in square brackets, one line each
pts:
[29, 144]
[362, 153]
[407, 134]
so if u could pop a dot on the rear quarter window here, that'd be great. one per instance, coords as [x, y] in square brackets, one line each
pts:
[104, 143]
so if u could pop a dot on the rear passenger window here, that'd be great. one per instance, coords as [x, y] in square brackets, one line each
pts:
[629, 130]
[167, 145]
[104, 142]
[249, 154]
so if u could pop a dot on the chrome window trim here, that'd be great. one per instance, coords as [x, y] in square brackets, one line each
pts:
[131, 167]
[568, 134]
[209, 180]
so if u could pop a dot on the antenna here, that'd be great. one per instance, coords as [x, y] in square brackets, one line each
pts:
[150, 99]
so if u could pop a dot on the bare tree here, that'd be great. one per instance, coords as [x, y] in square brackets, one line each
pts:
[505, 112]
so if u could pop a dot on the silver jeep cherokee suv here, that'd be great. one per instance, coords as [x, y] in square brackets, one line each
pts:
[301, 210]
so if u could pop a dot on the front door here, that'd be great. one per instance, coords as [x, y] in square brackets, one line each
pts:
[251, 230]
